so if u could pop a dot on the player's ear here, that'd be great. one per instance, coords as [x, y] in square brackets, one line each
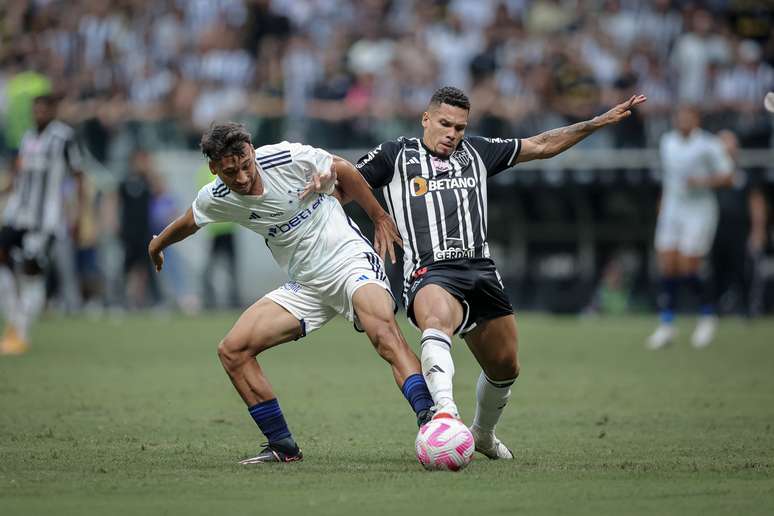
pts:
[211, 164]
[425, 119]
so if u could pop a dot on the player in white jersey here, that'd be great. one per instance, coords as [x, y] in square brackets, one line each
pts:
[48, 156]
[694, 163]
[285, 193]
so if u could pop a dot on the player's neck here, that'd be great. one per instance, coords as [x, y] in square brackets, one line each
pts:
[257, 188]
[431, 151]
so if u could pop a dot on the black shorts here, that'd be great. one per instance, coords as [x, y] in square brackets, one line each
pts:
[33, 247]
[475, 282]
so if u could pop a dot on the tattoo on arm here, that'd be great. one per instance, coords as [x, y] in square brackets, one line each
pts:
[558, 140]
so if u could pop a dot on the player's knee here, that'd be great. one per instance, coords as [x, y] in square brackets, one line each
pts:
[507, 367]
[231, 353]
[439, 322]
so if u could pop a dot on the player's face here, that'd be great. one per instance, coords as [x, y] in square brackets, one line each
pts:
[43, 113]
[686, 120]
[444, 128]
[238, 173]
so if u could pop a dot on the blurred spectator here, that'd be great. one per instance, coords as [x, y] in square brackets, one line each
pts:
[137, 72]
[163, 209]
[740, 239]
[692, 55]
[738, 92]
[86, 232]
[134, 196]
[221, 260]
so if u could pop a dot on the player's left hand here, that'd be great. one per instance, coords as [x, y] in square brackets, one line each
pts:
[622, 110]
[156, 256]
[321, 182]
[386, 236]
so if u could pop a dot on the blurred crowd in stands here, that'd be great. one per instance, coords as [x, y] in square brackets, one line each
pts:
[343, 74]
[139, 76]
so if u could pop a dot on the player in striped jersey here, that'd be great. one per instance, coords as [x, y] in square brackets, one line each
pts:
[48, 156]
[285, 193]
[435, 188]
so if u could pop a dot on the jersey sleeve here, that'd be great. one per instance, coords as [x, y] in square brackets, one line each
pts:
[310, 159]
[73, 154]
[207, 208]
[720, 161]
[498, 154]
[378, 166]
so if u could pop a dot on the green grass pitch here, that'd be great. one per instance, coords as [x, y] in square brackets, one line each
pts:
[137, 417]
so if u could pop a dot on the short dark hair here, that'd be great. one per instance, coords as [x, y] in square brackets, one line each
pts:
[49, 99]
[452, 96]
[226, 139]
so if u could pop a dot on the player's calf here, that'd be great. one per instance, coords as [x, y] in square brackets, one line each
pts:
[263, 325]
[374, 309]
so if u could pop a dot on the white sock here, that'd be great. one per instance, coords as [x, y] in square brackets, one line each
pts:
[9, 297]
[438, 367]
[32, 297]
[491, 398]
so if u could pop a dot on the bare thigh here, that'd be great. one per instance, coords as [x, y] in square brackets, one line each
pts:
[436, 308]
[263, 325]
[669, 262]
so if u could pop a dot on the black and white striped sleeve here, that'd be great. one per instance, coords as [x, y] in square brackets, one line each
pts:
[498, 154]
[378, 166]
[73, 155]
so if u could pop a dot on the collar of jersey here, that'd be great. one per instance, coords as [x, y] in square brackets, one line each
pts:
[434, 154]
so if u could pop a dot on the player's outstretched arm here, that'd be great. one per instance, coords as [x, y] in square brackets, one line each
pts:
[352, 187]
[550, 143]
[179, 229]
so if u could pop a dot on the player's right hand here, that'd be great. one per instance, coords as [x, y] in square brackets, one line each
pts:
[386, 236]
[156, 255]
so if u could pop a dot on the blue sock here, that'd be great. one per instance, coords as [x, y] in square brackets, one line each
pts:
[668, 298]
[268, 416]
[702, 292]
[416, 392]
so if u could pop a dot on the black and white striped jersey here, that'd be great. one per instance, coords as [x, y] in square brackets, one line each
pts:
[45, 160]
[439, 204]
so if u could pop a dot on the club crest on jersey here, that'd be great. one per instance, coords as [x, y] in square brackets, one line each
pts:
[462, 157]
[420, 186]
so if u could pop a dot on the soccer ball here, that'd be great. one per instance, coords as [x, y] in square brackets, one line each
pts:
[445, 443]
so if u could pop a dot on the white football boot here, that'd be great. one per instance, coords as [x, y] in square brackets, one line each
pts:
[662, 337]
[449, 407]
[704, 332]
[488, 444]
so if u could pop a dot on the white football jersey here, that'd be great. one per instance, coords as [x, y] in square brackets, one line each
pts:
[699, 155]
[309, 238]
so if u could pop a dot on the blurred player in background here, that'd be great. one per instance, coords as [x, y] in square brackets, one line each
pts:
[48, 153]
[283, 192]
[222, 254]
[436, 190]
[694, 164]
[741, 238]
